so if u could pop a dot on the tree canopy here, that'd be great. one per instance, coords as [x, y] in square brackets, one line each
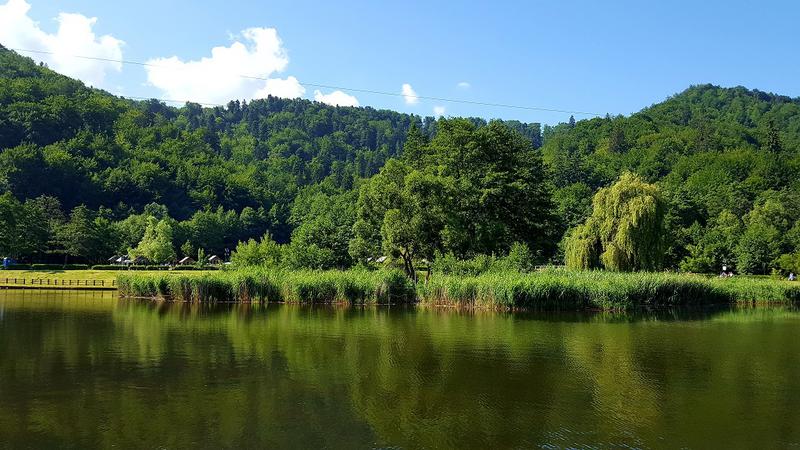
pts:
[83, 173]
[625, 231]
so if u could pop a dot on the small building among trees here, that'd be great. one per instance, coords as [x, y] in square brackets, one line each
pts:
[187, 260]
[214, 259]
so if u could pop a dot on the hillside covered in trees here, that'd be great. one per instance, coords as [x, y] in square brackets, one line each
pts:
[727, 162]
[85, 175]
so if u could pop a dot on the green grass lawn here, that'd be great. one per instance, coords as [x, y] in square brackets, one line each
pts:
[99, 275]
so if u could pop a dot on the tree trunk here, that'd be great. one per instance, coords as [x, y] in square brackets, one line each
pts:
[408, 264]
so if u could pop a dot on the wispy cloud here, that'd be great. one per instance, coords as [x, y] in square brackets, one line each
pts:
[463, 85]
[438, 111]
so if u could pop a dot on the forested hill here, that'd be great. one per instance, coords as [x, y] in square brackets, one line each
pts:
[85, 146]
[726, 159]
[234, 171]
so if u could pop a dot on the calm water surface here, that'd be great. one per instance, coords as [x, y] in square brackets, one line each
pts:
[88, 371]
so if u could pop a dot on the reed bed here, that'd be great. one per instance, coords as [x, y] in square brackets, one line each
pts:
[261, 285]
[554, 289]
[562, 289]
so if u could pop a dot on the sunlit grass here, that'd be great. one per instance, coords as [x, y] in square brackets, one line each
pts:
[263, 285]
[554, 289]
[91, 275]
[562, 289]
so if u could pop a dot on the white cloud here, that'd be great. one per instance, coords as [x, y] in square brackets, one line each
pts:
[73, 37]
[409, 95]
[336, 98]
[438, 111]
[218, 78]
[463, 85]
[286, 88]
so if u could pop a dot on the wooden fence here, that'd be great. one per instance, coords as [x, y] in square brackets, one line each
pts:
[44, 282]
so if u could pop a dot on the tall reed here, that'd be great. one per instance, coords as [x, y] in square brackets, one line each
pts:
[563, 289]
[262, 285]
[554, 289]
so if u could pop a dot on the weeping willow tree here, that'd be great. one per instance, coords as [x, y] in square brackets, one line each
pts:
[625, 231]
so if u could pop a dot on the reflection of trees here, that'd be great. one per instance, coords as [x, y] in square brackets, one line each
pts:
[153, 374]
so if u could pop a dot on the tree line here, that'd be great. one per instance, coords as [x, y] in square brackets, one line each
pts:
[85, 175]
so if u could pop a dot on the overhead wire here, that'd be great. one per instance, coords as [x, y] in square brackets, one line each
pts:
[319, 85]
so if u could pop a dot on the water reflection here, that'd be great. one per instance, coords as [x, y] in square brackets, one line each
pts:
[93, 371]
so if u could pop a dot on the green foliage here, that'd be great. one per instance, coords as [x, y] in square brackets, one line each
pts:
[108, 267]
[790, 262]
[59, 267]
[716, 246]
[82, 172]
[187, 249]
[324, 229]
[156, 245]
[569, 290]
[625, 231]
[265, 252]
[87, 235]
[519, 259]
[268, 285]
[468, 191]
[757, 248]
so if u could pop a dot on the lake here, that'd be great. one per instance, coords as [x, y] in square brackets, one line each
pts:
[90, 370]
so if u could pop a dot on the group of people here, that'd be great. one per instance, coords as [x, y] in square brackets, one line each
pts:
[726, 273]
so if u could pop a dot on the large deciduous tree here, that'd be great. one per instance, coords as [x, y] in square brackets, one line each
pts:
[625, 231]
[156, 245]
[470, 190]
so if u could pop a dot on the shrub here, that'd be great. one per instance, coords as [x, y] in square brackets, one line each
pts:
[59, 266]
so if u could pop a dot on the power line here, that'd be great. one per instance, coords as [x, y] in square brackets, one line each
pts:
[325, 86]
[167, 100]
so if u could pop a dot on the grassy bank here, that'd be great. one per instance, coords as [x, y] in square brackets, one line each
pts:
[557, 289]
[84, 275]
[59, 274]
[561, 289]
[258, 285]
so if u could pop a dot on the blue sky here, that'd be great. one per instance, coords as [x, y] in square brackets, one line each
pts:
[604, 57]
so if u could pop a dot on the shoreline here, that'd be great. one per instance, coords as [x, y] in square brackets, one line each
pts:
[555, 290]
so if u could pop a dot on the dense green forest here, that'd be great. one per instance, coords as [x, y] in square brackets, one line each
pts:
[86, 175]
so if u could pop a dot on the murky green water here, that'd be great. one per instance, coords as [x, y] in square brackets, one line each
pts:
[87, 371]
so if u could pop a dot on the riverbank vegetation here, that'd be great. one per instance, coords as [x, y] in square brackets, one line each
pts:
[556, 289]
[566, 289]
[705, 179]
[355, 287]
